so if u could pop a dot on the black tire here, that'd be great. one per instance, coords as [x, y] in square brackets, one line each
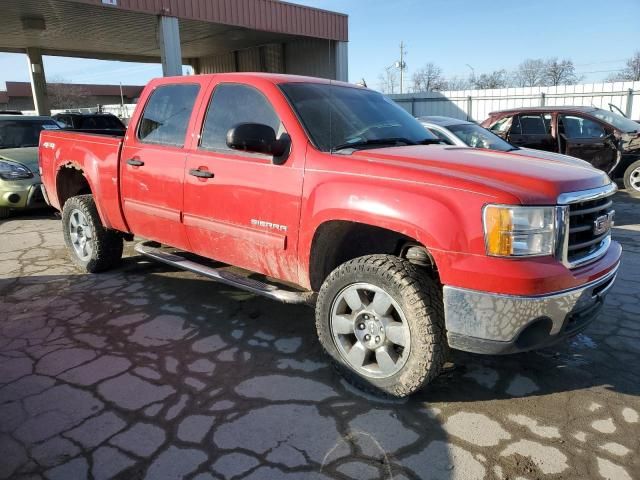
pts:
[107, 244]
[4, 212]
[631, 177]
[420, 299]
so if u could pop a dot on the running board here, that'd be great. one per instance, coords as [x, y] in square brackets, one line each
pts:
[149, 249]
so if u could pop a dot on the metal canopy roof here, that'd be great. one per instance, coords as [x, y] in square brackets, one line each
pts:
[128, 31]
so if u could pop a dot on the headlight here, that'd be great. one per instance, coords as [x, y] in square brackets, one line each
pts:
[14, 171]
[513, 231]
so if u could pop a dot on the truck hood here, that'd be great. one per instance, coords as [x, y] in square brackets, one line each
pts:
[532, 180]
[27, 156]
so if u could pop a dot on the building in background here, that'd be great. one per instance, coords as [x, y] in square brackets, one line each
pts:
[212, 36]
[18, 95]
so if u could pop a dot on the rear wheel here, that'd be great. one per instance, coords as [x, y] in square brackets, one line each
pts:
[92, 247]
[381, 320]
[632, 179]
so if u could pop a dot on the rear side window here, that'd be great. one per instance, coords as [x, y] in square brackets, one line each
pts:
[231, 105]
[166, 115]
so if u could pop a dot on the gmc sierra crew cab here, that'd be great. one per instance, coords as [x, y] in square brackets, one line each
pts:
[313, 191]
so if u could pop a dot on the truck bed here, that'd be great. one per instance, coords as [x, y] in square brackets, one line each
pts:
[96, 155]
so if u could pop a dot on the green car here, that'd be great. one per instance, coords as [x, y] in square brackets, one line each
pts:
[19, 172]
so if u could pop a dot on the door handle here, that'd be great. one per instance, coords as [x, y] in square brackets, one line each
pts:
[196, 172]
[135, 162]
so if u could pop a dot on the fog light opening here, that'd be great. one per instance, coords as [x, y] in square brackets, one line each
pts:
[14, 198]
[535, 333]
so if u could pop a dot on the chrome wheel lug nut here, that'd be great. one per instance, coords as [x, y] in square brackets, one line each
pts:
[377, 339]
[367, 337]
[361, 326]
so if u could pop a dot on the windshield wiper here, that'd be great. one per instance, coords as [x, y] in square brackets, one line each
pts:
[393, 141]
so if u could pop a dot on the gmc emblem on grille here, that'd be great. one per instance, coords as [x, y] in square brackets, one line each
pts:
[603, 223]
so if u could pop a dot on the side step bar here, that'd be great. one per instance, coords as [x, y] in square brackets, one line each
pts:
[224, 276]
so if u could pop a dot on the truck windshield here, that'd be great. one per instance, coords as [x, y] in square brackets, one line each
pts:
[338, 117]
[618, 121]
[17, 133]
[477, 137]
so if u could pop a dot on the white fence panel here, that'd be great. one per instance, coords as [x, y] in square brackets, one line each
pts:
[477, 104]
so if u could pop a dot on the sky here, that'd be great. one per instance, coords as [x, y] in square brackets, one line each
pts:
[456, 35]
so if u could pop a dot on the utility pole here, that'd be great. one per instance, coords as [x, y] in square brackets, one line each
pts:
[401, 65]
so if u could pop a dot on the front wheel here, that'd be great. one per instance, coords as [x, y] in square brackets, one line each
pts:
[4, 212]
[632, 179]
[92, 247]
[381, 320]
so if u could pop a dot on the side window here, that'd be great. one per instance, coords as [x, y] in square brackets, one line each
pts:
[231, 105]
[532, 125]
[579, 127]
[166, 115]
[501, 125]
[65, 120]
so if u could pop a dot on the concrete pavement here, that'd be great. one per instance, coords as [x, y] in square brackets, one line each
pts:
[147, 372]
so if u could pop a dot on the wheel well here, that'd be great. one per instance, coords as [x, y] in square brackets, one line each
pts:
[338, 241]
[71, 182]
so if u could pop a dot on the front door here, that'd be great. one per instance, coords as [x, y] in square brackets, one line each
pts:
[243, 208]
[587, 139]
[532, 130]
[152, 165]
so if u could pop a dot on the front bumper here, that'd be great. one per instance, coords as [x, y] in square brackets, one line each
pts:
[491, 323]
[21, 194]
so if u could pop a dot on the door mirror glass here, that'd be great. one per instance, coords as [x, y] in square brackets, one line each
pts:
[256, 138]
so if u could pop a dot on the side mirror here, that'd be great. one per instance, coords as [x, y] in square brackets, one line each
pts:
[257, 138]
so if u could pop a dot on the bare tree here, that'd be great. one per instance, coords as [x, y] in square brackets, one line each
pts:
[560, 72]
[428, 78]
[630, 73]
[66, 95]
[388, 80]
[458, 83]
[530, 73]
[495, 79]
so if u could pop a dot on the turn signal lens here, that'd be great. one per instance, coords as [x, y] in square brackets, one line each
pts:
[514, 231]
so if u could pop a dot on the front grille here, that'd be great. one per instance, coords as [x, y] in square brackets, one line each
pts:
[584, 241]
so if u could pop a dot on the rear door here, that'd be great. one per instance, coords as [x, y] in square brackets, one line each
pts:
[246, 213]
[532, 130]
[152, 164]
[588, 139]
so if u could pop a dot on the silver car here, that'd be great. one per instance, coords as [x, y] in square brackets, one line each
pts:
[462, 133]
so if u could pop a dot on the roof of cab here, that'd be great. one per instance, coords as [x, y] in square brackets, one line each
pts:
[275, 78]
[551, 108]
[442, 121]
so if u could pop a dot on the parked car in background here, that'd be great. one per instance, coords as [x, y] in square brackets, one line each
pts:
[19, 174]
[607, 140]
[336, 196]
[91, 122]
[462, 133]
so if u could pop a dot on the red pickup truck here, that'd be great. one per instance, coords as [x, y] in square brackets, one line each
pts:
[313, 191]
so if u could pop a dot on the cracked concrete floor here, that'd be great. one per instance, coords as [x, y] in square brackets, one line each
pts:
[146, 372]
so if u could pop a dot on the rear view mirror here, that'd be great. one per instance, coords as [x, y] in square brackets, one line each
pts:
[257, 138]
